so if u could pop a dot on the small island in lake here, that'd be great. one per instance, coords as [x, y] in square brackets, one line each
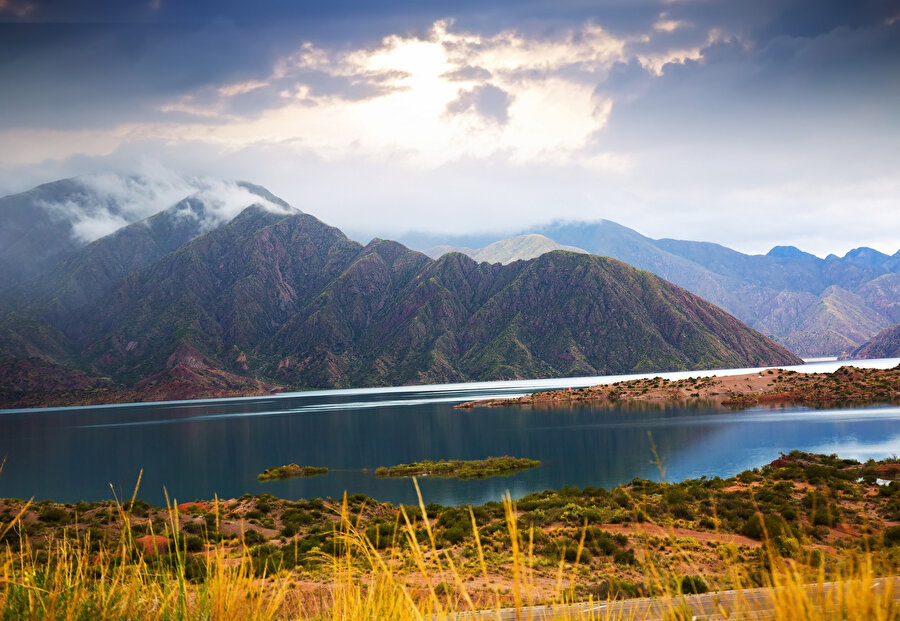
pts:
[846, 385]
[290, 471]
[460, 469]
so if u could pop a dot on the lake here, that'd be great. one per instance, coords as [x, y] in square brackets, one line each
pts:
[196, 449]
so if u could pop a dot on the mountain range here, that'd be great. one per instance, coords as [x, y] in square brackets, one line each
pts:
[275, 296]
[815, 307]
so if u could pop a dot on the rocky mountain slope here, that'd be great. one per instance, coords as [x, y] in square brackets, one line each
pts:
[291, 298]
[275, 295]
[885, 344]
[815, 307]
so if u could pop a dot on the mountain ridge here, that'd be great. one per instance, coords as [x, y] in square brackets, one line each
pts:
[282, 298]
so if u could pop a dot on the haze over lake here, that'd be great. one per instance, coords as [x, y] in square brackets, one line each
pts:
[198, 449]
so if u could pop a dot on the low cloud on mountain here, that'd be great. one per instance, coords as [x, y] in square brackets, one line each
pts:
[111, 200]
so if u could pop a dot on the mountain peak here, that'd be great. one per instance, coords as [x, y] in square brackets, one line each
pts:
[789, 252]
[868, 256]
[521, 247]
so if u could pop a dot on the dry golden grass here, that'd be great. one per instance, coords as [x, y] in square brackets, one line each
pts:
[73, 577]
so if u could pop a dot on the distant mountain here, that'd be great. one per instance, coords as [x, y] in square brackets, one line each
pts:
[813, 306]
[885, 344]
[278, 296]
[522, 247]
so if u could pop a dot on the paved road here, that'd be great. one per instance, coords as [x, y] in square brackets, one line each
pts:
[753, 603]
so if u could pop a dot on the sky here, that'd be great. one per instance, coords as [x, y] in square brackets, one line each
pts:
[751, 123]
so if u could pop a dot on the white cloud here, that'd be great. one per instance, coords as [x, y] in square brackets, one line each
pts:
[110, 200]
[668, 25]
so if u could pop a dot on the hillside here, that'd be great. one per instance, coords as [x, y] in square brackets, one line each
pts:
[73, 235]
[278, 297]
[89, 272]
[813, 306]
[885, 344]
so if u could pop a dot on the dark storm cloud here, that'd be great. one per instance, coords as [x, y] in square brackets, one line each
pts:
[65, 76]
[846, 78]
[81, 64]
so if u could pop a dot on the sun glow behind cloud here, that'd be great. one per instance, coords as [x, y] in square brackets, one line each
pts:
[548, 117]
[544, 107]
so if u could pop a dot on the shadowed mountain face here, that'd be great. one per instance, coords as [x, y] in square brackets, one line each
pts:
[813, 306]
[277, 295]
[88, 273]
[885, 344]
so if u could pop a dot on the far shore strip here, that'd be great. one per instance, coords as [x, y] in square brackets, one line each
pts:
[773, 386]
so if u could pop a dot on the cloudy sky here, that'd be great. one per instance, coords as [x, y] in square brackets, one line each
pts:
[746, 122]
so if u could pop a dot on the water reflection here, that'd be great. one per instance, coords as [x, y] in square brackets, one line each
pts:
[195, 450]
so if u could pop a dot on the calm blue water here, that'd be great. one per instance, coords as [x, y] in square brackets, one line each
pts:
[198, 449]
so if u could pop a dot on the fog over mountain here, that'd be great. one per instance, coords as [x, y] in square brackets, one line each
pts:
[47, 223]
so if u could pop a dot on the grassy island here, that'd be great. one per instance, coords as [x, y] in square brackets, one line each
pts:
[290, 471]
[846, 385]
[472, 469]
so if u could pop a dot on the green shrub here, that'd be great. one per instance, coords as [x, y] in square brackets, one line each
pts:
[691, 585]
[193, 543]
[380, 535]
[757, 527]
[54, 515]
[891, 536]
[253, 536]
[625, 557]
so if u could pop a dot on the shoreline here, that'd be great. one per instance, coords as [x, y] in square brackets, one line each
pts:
[25, 401]
[847, 385]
